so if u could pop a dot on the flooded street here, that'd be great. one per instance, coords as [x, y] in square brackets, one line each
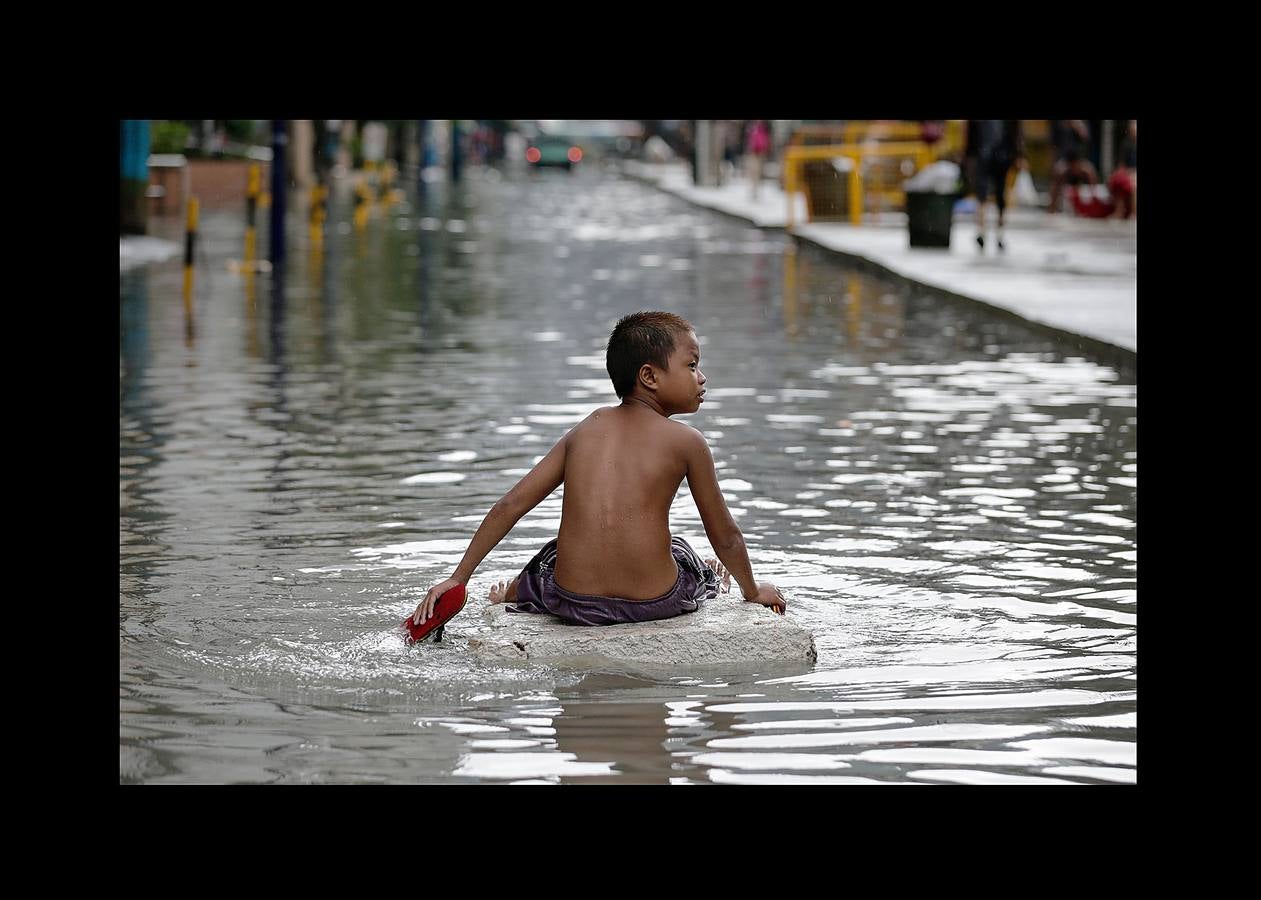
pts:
[946, 496]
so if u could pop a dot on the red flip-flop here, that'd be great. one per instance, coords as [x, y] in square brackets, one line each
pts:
[444, 610]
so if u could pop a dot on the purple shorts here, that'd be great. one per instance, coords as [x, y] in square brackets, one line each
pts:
[538, 592]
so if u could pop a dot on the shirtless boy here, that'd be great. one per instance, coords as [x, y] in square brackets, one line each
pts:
[614, 559]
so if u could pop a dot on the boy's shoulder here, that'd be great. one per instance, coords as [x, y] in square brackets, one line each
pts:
[691, 432]
[687, 439]
[679, 430]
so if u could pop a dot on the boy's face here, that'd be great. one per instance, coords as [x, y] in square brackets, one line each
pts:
[681, 388]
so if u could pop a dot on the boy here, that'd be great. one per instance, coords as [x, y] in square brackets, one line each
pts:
[614, 559]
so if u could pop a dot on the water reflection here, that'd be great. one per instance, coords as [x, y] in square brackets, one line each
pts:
[949, 497]
[143, 436]
[576, 741]
[863, 314]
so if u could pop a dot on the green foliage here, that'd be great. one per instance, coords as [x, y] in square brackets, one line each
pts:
[166, 136]
[241, 130]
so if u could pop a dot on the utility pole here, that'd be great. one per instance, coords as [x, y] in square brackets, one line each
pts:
[717, 148]
[279, 145]
[422, 142]
[704, 154]
[455, 150]
[303, 140]
[1105, 151]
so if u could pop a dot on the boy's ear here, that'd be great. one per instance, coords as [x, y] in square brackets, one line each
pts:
[648, 377]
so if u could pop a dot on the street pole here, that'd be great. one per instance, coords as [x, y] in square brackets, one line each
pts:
[455, 150]
[1105, 151]
[717, 147]
[422, 140]
[279, 143]
[303, 140]
[704, 137]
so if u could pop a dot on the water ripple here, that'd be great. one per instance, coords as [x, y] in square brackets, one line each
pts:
[948, 498]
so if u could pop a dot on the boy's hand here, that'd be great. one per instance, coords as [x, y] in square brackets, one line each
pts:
[425, 610]
[769, 595]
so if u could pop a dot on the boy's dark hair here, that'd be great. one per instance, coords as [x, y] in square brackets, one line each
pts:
[642, 337]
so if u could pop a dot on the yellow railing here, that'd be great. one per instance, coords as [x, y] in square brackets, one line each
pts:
[858, 132]
[864, 131]
[919, 152]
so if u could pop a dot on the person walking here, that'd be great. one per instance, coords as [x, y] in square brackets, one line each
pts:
[993, 147]
[757, 143]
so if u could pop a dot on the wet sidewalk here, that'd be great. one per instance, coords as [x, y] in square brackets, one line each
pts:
[1074, 275]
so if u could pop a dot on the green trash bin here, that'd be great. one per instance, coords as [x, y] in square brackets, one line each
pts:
[928, 216]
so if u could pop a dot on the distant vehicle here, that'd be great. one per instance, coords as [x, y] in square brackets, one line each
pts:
[552, 150]
[595, 139]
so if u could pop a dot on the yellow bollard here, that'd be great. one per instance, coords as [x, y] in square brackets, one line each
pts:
[317, 214]
[373, 181]
[856, 193]
[189, 242]
[790, 288]
[361, 206]
[790, 190]
[251, 209]
[251, 314]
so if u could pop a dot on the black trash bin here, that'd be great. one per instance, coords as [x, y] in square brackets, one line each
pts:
[928, 215]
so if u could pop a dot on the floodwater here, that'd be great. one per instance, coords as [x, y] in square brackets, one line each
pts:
[946, 496]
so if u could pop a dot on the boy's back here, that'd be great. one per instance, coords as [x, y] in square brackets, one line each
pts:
[623, 467]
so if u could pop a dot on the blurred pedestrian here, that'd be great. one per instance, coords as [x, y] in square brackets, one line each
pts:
[757, 145]
[1123, 184]
[479, 145]
[687, 137]
[732, 143]
[993, 147]
[1071, 138]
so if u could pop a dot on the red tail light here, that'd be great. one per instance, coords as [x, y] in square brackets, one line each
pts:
[575, 154]
[533, 155]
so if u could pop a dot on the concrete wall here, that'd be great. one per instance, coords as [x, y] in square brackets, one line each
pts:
[218, 184]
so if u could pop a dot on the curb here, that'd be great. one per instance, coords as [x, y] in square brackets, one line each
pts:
[1112, 354]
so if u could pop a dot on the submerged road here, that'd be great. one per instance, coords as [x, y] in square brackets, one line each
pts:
[947, 496]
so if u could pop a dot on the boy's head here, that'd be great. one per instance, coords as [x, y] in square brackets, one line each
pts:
[642, 337]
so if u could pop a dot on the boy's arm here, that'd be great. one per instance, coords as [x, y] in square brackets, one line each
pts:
[721, 529]
[545, 477]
